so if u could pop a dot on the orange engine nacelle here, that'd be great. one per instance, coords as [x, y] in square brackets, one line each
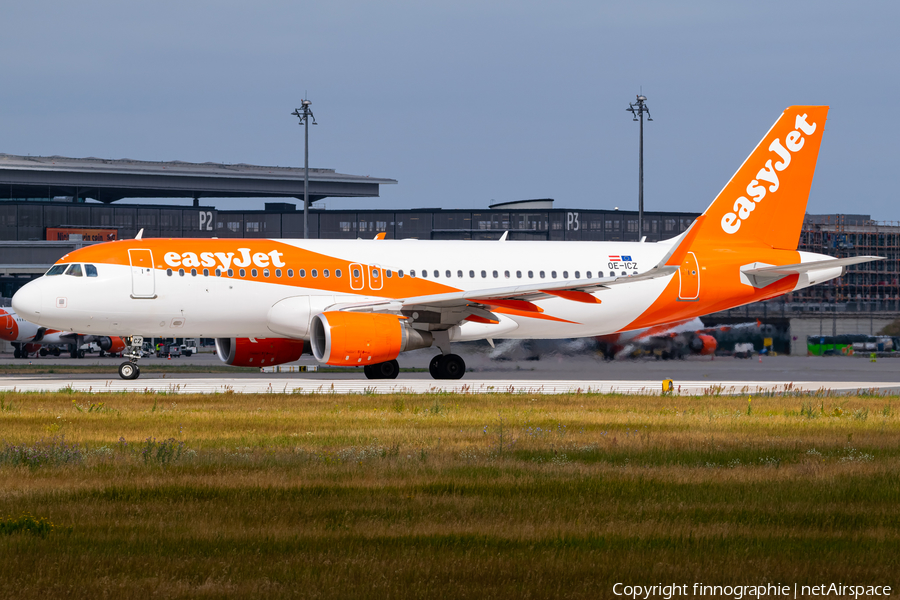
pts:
[357, 339]
[703, 344]
[112, 344]
[9, 329]
[261, 352]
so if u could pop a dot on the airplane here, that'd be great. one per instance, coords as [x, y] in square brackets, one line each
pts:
[672, 340]
[28, 338]
[363, 302]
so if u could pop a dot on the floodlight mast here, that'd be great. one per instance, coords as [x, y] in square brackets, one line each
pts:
[304, 113]
[637, 110]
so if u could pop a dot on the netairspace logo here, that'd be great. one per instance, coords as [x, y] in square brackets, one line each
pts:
[738, 592]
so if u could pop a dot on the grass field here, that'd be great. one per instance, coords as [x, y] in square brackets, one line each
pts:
[456, 496]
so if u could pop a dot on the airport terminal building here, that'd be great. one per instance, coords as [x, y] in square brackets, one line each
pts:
[51, 205]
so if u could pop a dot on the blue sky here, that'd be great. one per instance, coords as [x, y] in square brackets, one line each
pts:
[464, 103]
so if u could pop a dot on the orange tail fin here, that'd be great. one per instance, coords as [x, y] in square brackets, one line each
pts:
[764, 202]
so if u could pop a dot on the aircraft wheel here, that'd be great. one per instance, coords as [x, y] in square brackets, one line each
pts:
[81, 354]
[43, 352]
[452, 366]
[129, 370]
[387, 370]
[370, 372]
[434, 367]
[55, 352]
[17, 353]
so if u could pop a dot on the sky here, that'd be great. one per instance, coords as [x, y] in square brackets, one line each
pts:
[464, 103]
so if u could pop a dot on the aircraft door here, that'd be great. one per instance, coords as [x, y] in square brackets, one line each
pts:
[376, 276]
[357, 276]
[143, 281]
[689, 278]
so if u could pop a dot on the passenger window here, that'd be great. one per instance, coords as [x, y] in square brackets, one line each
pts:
[253, 272]
[471, 273]
[181, 272]
[242, 273]
[265, 272]
[57, 270]
[412, 272]
[459, 274]
[337, 273]
[290, 272]
[326, 273]
[231, 272]
[506, 274]
[193, 272]
[314, 273]
[302, 272]
[449, 275]
[577, 274]
[277, 272]
[169, 272]
[206, 272]
[437, 273]
[542, 275]
[424, 272]
[530, 274]
[356, 273]
[588, 274]
[611, 274]
[218, 272]
[495, 274]
[400, 273]
[519, 274]
[565, 274]
[483, 274]
[374, 274]
[552, 274]
[74, 270]
[90, 270]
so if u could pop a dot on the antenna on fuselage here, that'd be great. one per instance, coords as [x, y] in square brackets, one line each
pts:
[140, 233]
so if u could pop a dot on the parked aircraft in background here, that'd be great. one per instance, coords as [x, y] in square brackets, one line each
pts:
[674, 340]
[28, 338]
[363, 302]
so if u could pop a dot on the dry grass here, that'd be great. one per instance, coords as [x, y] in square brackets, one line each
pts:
[329, 496]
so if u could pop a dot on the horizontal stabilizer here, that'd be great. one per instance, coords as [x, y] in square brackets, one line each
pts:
[761, 275]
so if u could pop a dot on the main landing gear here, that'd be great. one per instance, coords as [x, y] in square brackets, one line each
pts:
[130, 369]
[385, 370]
[447, 366]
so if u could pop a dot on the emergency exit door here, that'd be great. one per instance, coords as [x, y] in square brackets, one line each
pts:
[689, 278]
[143, 281]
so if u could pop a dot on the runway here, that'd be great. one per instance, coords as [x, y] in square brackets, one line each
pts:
[262, 385]
[555, 374]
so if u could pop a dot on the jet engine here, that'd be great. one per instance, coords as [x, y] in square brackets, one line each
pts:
[259, 352]
[357, 339]
[703, 344]
[113, 344]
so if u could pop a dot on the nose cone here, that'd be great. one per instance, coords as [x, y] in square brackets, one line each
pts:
[27, 301]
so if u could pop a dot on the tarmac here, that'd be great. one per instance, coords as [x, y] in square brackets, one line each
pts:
[554, 373]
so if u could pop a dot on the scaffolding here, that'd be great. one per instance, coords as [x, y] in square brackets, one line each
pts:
[867, 287]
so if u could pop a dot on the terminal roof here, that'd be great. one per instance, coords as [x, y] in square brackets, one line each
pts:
[108, 180]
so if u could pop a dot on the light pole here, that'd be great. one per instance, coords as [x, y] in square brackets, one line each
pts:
[304, 113]
[637, 110]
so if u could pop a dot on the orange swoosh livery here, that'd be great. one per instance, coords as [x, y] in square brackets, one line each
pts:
[364, 302]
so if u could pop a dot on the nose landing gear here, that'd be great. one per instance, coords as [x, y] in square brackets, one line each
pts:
[130, 369]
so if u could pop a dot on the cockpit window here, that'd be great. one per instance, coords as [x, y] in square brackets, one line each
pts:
[57, 270]
[74, 270]
[90, 270]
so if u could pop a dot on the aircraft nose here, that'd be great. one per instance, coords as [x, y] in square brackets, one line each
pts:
[27, 301]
